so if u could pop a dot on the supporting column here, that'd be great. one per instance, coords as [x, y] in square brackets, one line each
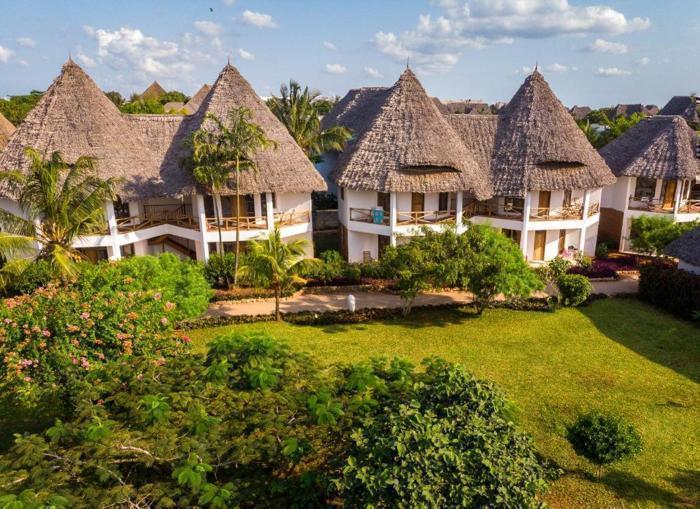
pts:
[269, 212]
[525, 223]
[582, 233]
[459, 211]
[392, 218]
[199, 210]
[677, 197]
[113, 250]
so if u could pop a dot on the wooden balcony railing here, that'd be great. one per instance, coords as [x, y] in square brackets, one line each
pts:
[593, 209]
[135, 223]
[556, 214]
[689, 207]
[489, 209]
[244, 223]
[367, 216]
[650, 204]
[292, 217]
[425, 217]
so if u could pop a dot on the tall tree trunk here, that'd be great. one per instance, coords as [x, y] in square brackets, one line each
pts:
[217, 213]
[277, 303]
[238, 225]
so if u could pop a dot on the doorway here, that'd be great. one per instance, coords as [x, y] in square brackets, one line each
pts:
[543, 204]
[417, 202]
[668, 194]
[382, 244]
[540, 243]
[562, 241]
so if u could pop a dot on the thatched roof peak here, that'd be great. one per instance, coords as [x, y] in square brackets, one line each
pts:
[684, 105]
[402, 143]
[197, 99]
[154, 91]
[661, 147]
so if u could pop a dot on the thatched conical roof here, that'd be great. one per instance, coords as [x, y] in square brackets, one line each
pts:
[197, 99]
[6, 131]
[686, 247]
[402, 143]
[538, 146]
[283, 169]
[77, 119]
[684, 105]
[660, 147]
[154, 91]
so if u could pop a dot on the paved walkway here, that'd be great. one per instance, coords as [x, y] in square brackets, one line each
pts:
[337, 300]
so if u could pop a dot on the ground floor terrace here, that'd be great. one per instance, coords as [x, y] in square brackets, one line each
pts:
[543, 223]
[191, 226]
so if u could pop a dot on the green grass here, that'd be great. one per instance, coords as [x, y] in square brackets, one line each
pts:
[616, 355]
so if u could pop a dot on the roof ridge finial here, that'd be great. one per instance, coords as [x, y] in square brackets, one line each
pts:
[537, 65]
[408, 62]
[70, 58]
[228, 60]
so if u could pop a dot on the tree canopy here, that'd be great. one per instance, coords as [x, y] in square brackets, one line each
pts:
[16, 107]
[600, 129]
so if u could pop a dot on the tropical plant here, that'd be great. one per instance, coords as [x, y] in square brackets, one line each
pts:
[300, 111]
[604, 439]
[651, 234]
[601, 130]
[219, 269]
[222, 148]
[143, 106]
[60, 202]
[275, 264]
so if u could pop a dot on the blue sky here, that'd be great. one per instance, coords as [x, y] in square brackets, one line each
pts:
[595, 52]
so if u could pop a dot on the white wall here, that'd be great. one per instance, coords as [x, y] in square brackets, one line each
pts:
[293, 201]
[359, 242]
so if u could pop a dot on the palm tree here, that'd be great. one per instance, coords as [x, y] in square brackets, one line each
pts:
[59, 203]
[224, 149]
[273, 263]
[300, 111]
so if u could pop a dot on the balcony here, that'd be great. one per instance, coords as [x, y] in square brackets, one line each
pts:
[425, 217]
[572, 212]
[371, 216]
[491, 209]
[689, 207]
[292, 217]
[658, 206]
[154, 215]
[260, 222]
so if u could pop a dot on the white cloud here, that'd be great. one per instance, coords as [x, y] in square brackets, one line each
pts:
[245, 55]
[24, 63]
[84, 59]
[373, 73]
[5, 54]
[336, 69]
[560, 68]
[608, 72]
[129, 49]
[229, 2]
[26, 42]
[436, 42]
[644, 61]
[208, 28]
[603, 46]
[258, 19]
[329, 45]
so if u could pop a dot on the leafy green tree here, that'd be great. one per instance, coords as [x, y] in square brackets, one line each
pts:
[604, 439]
[173, 96]
[60, 203]
[143, 106]
[115, 97]
[651, 234]
[300, 111]
[225, 148]
[16, 107]
[276, 264]
[601, 130]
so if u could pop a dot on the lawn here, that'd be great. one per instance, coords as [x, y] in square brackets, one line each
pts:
[615, 355]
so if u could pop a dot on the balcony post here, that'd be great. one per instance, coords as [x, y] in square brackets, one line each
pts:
[392, 218]
[203, 252]
[269, 212]
[113, 251]
[586, 205]
[677, 196]
[459, 211]
[525, 223]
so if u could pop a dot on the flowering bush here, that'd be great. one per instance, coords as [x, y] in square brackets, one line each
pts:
[49, 339]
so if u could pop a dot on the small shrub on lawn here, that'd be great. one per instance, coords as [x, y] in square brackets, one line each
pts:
[604, 439]
[280, 431]
[574, 289]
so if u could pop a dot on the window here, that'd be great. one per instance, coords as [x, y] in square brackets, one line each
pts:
[121, 209]
[644, 188]
[274, 200]
[127, 250]
[567, 198]
[443, 201]
[383, 201]
[512, 204]
[209, 206]
[453, 201]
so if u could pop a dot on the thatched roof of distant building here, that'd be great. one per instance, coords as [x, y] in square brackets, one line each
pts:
[6, 131]
[463, 107]
[660, 147]
[686, 247]
[197, 99]
[154, 91]
[147, 151]
[626, 110]
[175, 106]
[684, 105]
[533, 144]
[402, 143]
[580, 112]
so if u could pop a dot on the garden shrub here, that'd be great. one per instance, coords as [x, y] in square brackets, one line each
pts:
[180, 282]
[675, 290]
[650, 234]
[604, 439]
[257, 425]
[332, 269]
[558, 266]
[602, 251]
[574, 289]
[219, 269]
[51, 338]
[36, 274]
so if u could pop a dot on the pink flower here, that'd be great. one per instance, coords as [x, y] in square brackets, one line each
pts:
[164, 321]
[46, 333]
[84, 315]
[186, 339]
[84, 362]
[101, 356]
[7, 320]
[27, 378]
[169, 305]
[158, 296]
[74, 360]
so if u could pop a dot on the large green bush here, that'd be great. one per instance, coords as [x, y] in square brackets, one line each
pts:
[253, 424]
[604, 439]
[675, 290]
[180, 282]
[30, 276]
[574, 289]
[651, 234]
[219, 269]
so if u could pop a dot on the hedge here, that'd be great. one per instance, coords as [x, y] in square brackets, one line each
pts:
[669, 288]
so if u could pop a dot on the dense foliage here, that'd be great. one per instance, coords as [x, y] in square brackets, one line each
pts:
[675, 290]
[115, 97]
[604, 439]
[332, 269]
[651, 234]
[574, 289]
[256, 425]
[16, 107]
[481, 260]
[600, 129]
[219, 269]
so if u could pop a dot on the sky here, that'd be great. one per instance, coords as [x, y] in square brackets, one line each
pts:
[592, 52]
